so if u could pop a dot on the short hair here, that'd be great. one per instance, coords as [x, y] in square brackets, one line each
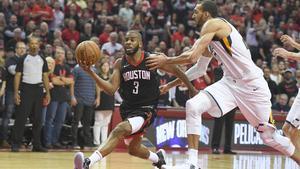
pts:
[210, 7]
[139, 35]
[34, 37]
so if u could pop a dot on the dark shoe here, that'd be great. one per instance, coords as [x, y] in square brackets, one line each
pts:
[216, 151]
[161, 159]
[49, 146]
[228, 152]
[86, 163]
[57, 146]
[39, 149]
[5, 144]
[15, 148]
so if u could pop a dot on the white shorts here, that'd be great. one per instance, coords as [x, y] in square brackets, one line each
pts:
[294, 115]
[251, 97]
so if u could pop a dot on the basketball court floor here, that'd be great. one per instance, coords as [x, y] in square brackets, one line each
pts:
[121, 160]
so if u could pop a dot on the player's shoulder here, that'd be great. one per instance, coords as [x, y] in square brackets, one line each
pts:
[215, 23]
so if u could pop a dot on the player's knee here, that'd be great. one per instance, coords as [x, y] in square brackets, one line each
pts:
[192, 108]
[133, 150]
[286, 128]
[121, 130]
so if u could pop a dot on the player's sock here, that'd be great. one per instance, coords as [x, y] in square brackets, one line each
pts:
[193, 156]
[153, 157]
[95, 157]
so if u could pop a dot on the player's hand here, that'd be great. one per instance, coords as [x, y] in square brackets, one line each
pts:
[97, 102]
[193, 92]
[155, 61]
[281, 52]
[286, 39]
[73, 101]
[85, 66]
[164, 89]
[17, 98]
[47, 99]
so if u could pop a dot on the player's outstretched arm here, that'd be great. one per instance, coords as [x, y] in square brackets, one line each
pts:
[286, 39]
[180, 74]
[110, 86]
[196, 71]
[286, 54]
[209, 30]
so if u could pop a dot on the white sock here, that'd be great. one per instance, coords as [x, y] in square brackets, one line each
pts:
[193, 156]
[95, 157]
[153, 157]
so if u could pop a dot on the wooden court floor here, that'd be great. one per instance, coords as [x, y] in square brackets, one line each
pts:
[121, 160]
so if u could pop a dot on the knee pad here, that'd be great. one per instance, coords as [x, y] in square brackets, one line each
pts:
[272, 138]
[195, 107]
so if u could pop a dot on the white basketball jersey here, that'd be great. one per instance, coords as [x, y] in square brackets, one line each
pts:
[233, 53]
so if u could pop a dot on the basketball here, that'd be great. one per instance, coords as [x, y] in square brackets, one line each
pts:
[87, 52]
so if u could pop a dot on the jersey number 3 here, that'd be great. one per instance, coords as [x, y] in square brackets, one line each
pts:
[136, 87]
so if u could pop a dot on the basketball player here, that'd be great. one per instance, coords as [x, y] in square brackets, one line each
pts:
[292, 124]
[242, 86]
[139, 88]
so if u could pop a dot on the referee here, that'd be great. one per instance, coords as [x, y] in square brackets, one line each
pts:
[30, 79]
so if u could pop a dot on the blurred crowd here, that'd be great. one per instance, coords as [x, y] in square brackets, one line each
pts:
[166, 25]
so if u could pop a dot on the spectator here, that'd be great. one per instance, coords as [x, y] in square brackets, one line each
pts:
[57, 109]
[288, 85]
[164, 78]
[58, 20]
[70, 59]
[87, 32]
[152, 29]
[10, 28]
[291, 101]
[70, 33]
[281, 105]
[104, 111]
[104, 36]
[110, 48]
[48, 51]
[31, 74]
[126, 14]
[51, 65]
[10, 67]
[45, 35]
[2, 25]
[17, 38]
[83, 97]
[275, 74]
[179, 34]
[272, 85]
[42, 12]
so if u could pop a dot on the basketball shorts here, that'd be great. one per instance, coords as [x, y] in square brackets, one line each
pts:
[293, 117]
[147, 112]
[251, 97]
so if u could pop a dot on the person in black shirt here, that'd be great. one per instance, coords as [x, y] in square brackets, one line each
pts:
[10, 68]
[139, 88]
[30, 80]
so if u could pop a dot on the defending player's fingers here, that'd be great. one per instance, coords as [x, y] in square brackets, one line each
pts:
[151, 65]
[163, 89]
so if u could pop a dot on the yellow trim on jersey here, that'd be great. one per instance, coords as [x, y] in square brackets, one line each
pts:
[271, 119]
[227, 45]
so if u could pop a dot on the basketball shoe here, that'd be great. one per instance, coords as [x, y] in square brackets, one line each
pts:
[78, 160]
[161, 159]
